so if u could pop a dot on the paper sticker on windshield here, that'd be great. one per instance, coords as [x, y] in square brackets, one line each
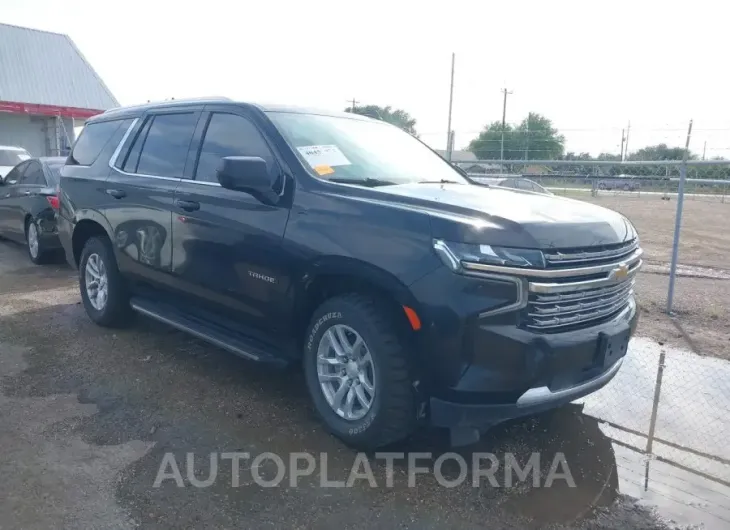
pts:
[323, 155]
[324, 170]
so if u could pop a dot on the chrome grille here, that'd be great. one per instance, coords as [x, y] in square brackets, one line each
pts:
[551, 311]
[591, 255]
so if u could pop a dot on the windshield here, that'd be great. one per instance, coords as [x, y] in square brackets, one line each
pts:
[12, 157]
[363, 152]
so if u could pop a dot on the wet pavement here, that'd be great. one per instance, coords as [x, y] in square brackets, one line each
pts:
[88, 415]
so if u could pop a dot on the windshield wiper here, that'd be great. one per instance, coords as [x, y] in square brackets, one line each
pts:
[442, 181]
[368, 182]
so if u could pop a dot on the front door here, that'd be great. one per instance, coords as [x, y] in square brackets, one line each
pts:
[227, 244]
[8, 195]
[140, 192]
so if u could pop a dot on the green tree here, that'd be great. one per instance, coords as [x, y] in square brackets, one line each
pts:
[534, 138]
[659, 152]
[397, 117]
[541, 140]
[487, 145]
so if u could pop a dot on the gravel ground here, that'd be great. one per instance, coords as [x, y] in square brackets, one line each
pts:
[88, 414]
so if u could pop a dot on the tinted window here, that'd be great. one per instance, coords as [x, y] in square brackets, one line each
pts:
[166, 147]
[93, 139]
[509, 183]
[15, 173]
[11, 157]
[34, 175]
[132, 159]
[54, 169]
[229, 135]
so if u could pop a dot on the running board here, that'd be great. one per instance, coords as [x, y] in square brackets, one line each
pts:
[235, 343]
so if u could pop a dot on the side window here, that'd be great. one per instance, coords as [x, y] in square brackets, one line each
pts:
[166, 145]
[523, 184]
[34, 175]
[16, 173]
[132, 161]
[229, 135]
[92, 140]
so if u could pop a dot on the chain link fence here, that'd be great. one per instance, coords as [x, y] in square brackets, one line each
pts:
[667, 404]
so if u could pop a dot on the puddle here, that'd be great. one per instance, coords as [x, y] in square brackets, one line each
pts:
[667, 413]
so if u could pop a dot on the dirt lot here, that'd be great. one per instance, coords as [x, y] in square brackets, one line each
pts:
[88, 414]
[702, 292]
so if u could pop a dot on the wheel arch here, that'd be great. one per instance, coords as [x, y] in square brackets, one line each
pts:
[332, 276]
[89, 223]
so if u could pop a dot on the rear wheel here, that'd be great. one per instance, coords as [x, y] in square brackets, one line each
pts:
[357, 373]
[103, 290]
[36, 252]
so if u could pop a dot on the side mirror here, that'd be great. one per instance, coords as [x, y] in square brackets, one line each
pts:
[249, 174]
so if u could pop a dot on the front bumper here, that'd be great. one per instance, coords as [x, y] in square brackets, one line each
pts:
[479, 371]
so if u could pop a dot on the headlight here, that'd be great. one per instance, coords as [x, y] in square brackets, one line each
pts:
[453, 254]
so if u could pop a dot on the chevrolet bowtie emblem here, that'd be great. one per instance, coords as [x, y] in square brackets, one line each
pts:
[620, 272]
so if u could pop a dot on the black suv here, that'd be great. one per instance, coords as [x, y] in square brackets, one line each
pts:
[409, 294]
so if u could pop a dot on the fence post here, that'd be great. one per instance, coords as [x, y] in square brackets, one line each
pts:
[678, 221]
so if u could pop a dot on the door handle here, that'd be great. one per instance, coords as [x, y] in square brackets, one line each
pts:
[117, 194]
[26, 193]
[188, 206]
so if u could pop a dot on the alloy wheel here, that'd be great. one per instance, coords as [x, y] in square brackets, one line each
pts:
[97, 287]
[346, 372]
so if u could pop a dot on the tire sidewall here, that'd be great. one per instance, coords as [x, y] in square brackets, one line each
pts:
[38, 258]
[329, 314]
[102, 248]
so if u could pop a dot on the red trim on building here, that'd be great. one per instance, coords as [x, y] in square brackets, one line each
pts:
[47, 110]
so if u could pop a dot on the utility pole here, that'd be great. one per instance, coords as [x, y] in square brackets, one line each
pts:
[451, 104]
[623, 139]
[354, 104]
[704, 150]
[527, 138]
[626, 149]
[504, 121]
[450, 147]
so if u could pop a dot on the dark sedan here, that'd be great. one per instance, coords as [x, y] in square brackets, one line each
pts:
[28, 204]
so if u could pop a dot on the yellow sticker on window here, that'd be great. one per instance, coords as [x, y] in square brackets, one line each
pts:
[324, 170]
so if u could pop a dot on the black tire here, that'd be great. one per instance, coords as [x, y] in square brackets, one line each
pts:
[42, 255]
[392, 416]
[116, 312]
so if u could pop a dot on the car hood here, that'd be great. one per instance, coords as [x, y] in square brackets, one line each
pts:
[477, 214]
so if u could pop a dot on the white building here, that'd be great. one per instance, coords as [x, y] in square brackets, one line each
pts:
[46, 88]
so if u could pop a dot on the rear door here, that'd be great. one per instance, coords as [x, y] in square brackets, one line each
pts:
[227, 244]
[140, 190]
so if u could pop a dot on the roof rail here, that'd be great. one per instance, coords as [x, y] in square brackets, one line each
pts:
[171, 102]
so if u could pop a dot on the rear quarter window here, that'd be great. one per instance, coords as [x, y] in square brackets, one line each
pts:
[92, 141]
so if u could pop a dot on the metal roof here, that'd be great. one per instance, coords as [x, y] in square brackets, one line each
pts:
[44, 68]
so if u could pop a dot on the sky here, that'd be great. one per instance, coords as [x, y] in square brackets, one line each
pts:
[590, 66]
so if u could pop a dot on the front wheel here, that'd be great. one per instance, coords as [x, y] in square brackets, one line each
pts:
[103, 290]
[357, 373]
